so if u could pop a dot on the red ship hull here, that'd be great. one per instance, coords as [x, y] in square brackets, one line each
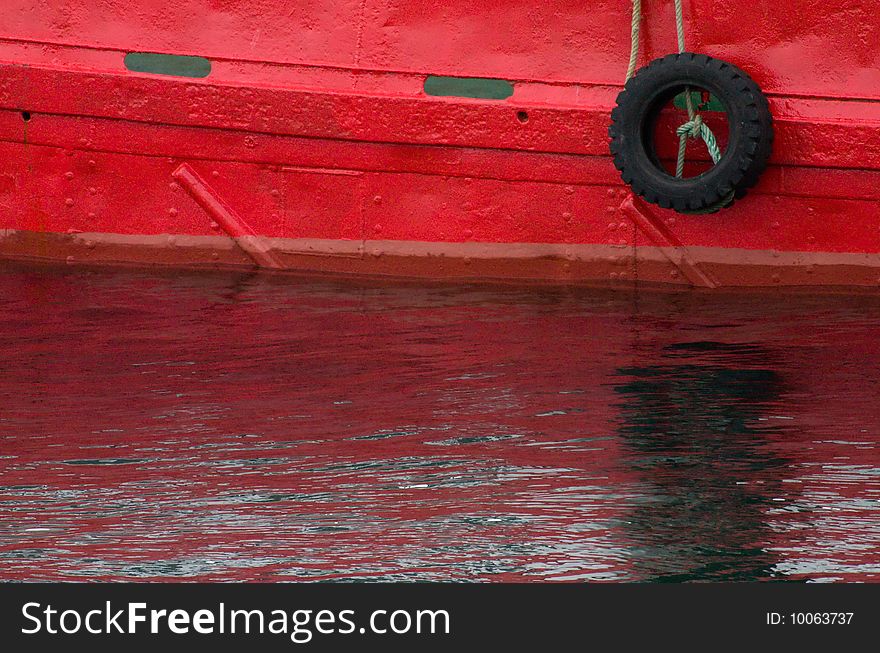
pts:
[312, 144]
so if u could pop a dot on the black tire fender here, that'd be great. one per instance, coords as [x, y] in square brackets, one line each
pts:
[750, 127]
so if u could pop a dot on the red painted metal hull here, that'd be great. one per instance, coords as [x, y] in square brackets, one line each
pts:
[311, 145]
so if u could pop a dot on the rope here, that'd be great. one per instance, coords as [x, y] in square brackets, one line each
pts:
[694, 127]
[636, 27]
[679, 25]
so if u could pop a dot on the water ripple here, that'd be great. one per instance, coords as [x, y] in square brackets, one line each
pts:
[207, 427]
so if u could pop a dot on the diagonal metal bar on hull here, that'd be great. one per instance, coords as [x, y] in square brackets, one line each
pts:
[252, 244]
[666, 241]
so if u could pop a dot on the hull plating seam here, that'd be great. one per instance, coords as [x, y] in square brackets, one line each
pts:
[526, 262]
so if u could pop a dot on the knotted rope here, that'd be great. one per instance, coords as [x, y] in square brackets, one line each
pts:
[694, 127]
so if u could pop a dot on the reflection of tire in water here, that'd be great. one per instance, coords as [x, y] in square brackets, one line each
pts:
[689, 431]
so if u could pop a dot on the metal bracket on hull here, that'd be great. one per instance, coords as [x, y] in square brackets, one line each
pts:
[253, 245]
[672, 248]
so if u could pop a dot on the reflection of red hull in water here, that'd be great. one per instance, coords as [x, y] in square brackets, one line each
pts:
[252, 429]
[307, 134]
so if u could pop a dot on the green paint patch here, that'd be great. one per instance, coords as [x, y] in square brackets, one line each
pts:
[701, 103]
[470, 87]
[167, 64]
